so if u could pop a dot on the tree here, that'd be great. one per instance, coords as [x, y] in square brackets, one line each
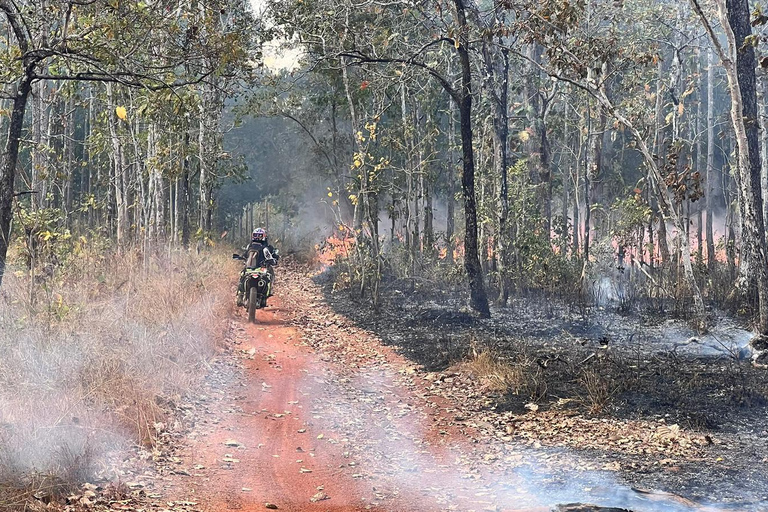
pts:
[371, 36]
[739, 62]
[129, 43]
[581, 61]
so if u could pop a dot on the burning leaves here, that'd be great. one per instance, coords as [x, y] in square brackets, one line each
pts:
[338, 245]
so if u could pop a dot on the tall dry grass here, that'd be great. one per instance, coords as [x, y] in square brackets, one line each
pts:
[94, 355]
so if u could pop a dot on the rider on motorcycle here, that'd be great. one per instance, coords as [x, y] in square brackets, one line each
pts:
[257, 254]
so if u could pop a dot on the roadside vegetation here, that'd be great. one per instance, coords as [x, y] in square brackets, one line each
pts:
[96, 354]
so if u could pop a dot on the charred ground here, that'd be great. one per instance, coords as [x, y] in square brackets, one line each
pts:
[590, 378]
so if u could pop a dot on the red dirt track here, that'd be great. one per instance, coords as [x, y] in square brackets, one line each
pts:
[280, 459]
[309, 413]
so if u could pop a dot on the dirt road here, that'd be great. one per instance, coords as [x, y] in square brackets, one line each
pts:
[304, 411]
[304, 414]
[263, 443]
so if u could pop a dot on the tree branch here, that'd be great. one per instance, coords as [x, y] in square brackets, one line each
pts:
[364, 59]
[17, 24]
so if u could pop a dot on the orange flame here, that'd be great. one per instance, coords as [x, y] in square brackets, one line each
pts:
[338, 245]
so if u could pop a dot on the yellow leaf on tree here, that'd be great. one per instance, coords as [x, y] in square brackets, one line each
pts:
[680, 109]
[121, 113]
[524, 136]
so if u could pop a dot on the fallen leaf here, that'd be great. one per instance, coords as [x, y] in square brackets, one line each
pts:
[319, 496]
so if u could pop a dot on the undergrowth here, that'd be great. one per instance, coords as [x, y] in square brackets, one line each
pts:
[93, 356]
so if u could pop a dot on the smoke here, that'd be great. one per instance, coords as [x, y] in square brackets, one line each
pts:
[85, 371]
[398, 450]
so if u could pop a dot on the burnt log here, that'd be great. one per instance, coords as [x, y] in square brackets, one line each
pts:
[586, 507]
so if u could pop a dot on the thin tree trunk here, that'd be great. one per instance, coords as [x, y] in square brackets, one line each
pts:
[576, 205]
[69, 155]
[764, 146]
[701, 164]
[450, 226]
[183, 202]
[710, 174]
[496, 87]
[587, 186]
[429, 216]
[37, 152]
[117, 170]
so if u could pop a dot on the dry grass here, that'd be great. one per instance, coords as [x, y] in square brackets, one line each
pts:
[92, 356]
[520, 377]
[496, 376]
[599, 390]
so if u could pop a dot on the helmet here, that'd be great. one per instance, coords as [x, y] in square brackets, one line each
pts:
[259, 235]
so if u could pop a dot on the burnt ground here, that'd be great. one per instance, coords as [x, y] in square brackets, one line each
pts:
[644, 395]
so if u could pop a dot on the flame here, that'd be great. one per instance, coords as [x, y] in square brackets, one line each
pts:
[338, 245]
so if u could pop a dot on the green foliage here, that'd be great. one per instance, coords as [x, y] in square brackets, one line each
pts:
[629, 215]
[538, 260]
[41, 238]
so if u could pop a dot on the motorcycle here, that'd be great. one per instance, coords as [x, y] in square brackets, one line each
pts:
[257, 285]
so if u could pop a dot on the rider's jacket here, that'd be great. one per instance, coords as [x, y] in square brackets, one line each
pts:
[257, 253]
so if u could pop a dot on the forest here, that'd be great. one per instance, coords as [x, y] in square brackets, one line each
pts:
[488, 178]
[569, 138]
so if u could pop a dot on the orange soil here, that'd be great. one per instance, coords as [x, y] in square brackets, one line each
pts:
[295, 448]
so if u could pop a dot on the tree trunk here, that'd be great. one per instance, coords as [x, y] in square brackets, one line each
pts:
[764, 147]
[479, 299]
[709, 177]
[183, 205]
[37, 151]
[417, 248]
[496, 88]
[8, 162]
[118, 171]
[587, 186]
[429, 217]
[576, 247]
[701, 165]
[450, 222]
[69, 157]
